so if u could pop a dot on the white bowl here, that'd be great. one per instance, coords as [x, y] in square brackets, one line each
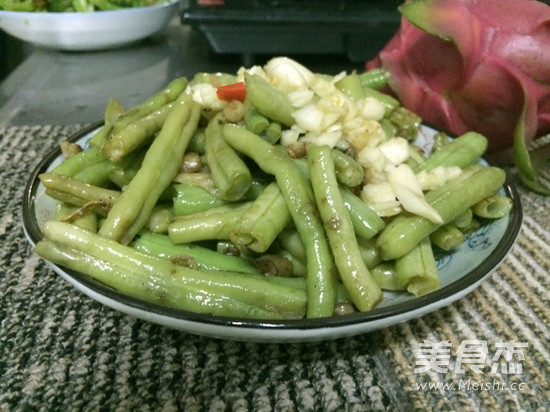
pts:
[88, 31]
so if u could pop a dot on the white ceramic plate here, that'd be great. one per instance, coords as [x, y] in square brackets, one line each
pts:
[88, 31]
[460, 272]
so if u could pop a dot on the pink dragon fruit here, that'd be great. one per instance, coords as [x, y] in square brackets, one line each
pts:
[473, 65]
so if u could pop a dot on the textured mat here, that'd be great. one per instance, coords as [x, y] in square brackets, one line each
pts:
[60, 350]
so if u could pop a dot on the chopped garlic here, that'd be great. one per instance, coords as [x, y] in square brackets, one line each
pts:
[384, 156]
[408, 191]
[257, 70]
[289, 136]
[371, 109]
[381, 198]
[361, 133]
[437, 177]
[396, 150]
[322, 85]
[372, 158]
[205, 94]
[300, 98]
[287, 74]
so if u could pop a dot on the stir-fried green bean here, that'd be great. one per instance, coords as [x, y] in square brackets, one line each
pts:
[366, 223]
[389, 102]
[97, 174]
[385, 275]
[204, 258]
[190, 199]
[169, 94]
[163, 282]
[159, 219]
[76, 163]
[143, 285]
[273, 132]
[369, 252]
[363, 290]
[348, 170]
[321, 278]
[81, 217]
[135, 134]
[268, 100]
[375, 78]
[255, 121]
[290, 240]
[462, 152]
[131, 210]
[405, 122]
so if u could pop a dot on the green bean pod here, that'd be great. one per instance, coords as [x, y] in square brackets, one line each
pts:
[362, 288]
[189, 199]
[406, 122]
[385, 275]
[131, 210]
[351, 85]
[97, 174]
[447, 237]
[273, 159]
[389, 102]
[154, 102]
[136, 134]
[79, 190]
[369, 252]
[255, 121]
[160, 281]
[375, 78]
[493, 207]
[416, 271]
[366, 223]
[76, 216]
[160, 245]
[348, 170]
[463, 151]
[273, 132]
[263, 221]
[79, 161]
[160, 217]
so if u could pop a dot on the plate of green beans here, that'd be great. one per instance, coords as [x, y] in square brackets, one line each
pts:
[248, 206]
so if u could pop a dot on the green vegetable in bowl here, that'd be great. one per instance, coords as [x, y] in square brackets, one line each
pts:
[59, 6]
